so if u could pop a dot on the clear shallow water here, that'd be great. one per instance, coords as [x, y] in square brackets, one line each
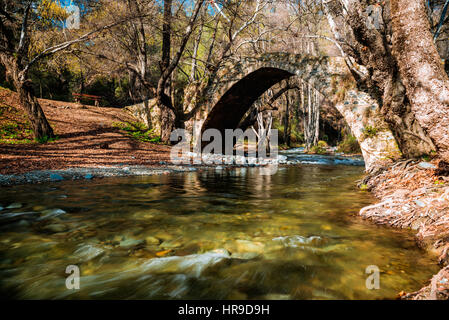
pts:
[215, 234]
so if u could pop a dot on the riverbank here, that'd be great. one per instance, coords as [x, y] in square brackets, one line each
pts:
[415, 195]
[87, 136]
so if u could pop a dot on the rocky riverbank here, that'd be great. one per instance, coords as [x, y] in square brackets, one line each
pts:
[415, 195]
[42, 176]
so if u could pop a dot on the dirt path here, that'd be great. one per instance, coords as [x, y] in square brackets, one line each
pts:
[87, 138]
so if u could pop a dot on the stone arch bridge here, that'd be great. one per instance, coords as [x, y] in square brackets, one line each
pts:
[238, 85]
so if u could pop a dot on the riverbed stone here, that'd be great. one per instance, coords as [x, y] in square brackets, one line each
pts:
[56, 228]
[298, 241]
[129, 243]
[193, 264]
[88, 252]
[56, 177]
[239, 248]
[50, 213]
[152, 240]
[15, 205]
[171, 244]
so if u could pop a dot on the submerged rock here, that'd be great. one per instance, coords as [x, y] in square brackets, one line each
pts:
[129, 243]
[152, 241]
[298, 241]
[171, 244]
[88, 252]
[193, 264]
[15, 205]
[13, 216]
[51, 213]
[56, 228]
[245, 249]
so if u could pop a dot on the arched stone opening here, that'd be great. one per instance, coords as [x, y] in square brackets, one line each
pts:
[239, 85]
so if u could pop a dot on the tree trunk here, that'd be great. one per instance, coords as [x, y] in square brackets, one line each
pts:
[286, 121]
[41, 127]
[167, 124]
[422, 71]
[167, 67]
[371, 47]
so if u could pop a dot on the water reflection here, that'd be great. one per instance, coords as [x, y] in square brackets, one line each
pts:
[215, 234]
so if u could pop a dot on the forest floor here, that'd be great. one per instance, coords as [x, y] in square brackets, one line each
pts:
[87, 136]
[415, 195]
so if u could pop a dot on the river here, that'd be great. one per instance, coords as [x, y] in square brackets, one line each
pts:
[209, 234]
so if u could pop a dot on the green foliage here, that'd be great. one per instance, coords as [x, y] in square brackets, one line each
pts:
[46, 139]
[322, 144]
[13, 133]
[320, 148]
[430, 156]
[296, 135]
[370, 131]
[364, 187]
[349, 145]
[138, 131]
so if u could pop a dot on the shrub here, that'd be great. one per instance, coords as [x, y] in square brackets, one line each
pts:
[370, 131]
[322, 144]
[320, 148]
[46, 139]
[349, 145]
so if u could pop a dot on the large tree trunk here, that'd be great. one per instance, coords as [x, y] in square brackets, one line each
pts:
[27, 98]
[372, 48]
[422, 70]
[41, 127]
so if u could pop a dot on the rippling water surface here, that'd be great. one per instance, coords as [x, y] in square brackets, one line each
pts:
[214, 234]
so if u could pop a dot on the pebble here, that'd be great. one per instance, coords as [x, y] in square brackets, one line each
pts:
[426, 165]
[88, 176]
[56, 177]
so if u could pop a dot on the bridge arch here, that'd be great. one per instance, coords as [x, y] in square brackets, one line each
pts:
[237, 86]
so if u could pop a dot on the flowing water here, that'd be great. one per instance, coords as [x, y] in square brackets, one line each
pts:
[211, 234]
